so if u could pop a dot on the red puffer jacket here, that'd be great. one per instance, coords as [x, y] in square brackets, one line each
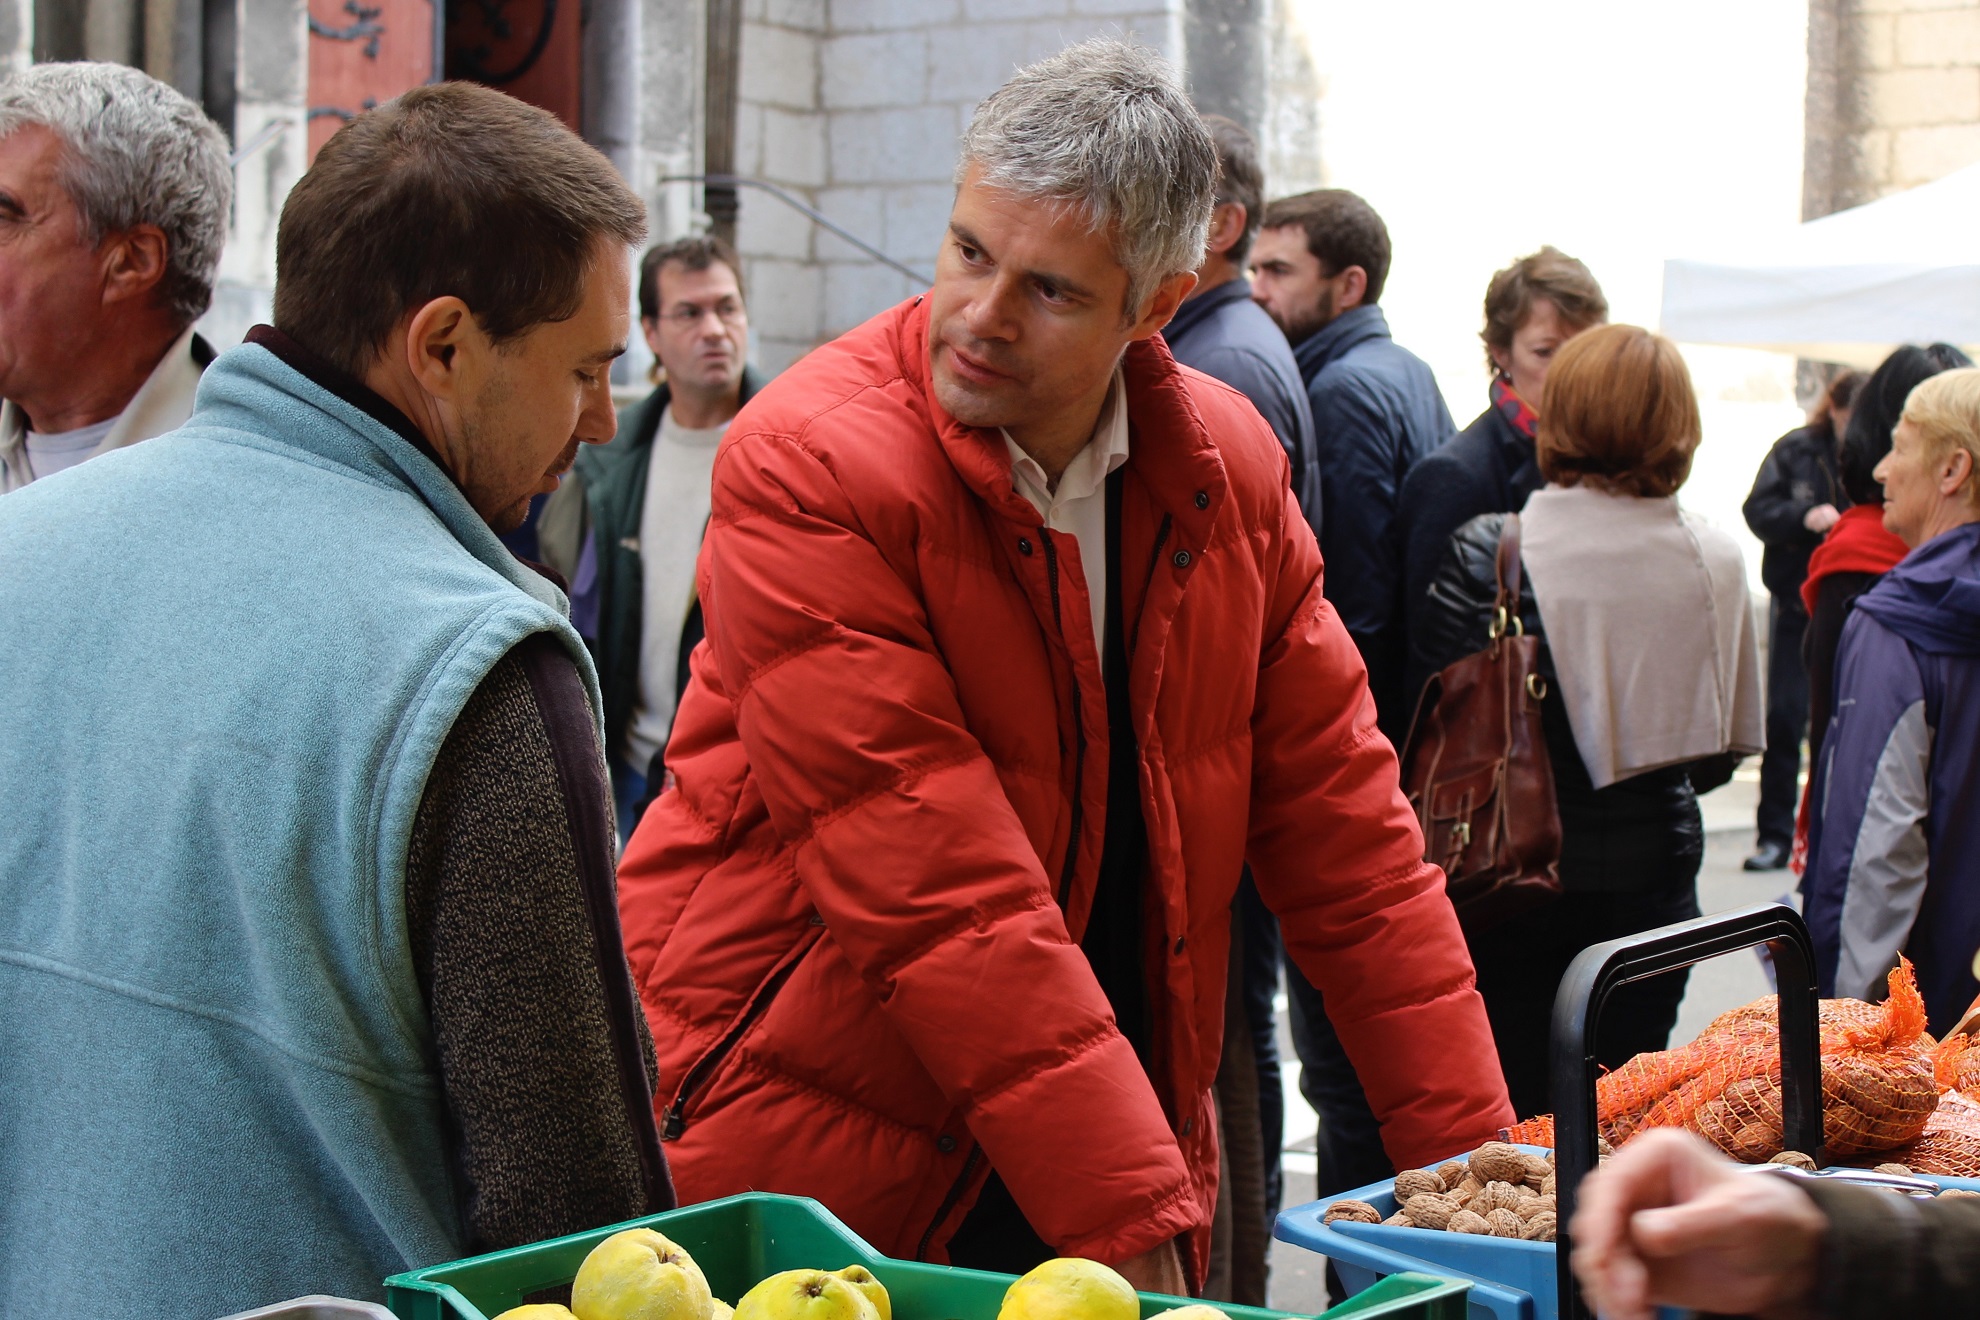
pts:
[854, 912]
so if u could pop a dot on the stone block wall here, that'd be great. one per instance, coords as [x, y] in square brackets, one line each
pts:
[1893, 97]
[856, 108]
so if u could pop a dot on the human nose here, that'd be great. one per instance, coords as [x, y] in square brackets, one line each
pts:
[990, 314]
[599, 421]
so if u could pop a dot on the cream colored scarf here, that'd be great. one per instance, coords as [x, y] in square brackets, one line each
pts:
[1651, 628]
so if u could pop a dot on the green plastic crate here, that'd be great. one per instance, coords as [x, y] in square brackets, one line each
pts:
[740, 1241]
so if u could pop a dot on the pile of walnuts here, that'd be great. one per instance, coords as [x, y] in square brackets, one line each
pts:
[1502, 1192]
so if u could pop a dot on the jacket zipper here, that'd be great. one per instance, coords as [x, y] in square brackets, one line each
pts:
[949, 1201]
[1079, 732]
[676, 1121]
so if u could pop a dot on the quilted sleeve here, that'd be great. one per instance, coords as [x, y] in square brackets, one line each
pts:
[1337, 855]
[912, 855]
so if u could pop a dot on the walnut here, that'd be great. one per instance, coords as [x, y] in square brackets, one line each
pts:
[1535, 1205]
[1354, 1212]
[1901, 1170]
[1505, 1223]
[1452, 1172]
[1399, 1220]
[1795, 1159]
[1411, 1182]
[1431, 1209]
[1603, 1149]
[1495, 1161]
[1467, 1189]
[1953, 1192]
[1537, 1170]
[1466, 1222]
[1497, 1195]
[1540, 1228]
[1547, 1185]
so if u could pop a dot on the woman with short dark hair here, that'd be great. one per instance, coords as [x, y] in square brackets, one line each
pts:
[1532, 307]
[1653, 682]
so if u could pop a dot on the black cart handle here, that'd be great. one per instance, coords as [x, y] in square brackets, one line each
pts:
[1600, 970]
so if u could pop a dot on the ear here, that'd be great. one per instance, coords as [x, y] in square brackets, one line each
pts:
[1956, 471]
[436, 334]
[649, 327]
[1500, 359]
[134, 262]
[1169, 295]
[1354, 287]
[1227, 223]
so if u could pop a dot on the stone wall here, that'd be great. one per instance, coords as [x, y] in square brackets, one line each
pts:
[856, 107]
[1893, 97]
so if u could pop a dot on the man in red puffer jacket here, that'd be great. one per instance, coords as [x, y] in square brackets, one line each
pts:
[1016, 653]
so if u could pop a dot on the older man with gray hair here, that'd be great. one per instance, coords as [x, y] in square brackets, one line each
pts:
[1016, 654]
[114, 194]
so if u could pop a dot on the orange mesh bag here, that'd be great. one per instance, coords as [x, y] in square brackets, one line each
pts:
[1878, 1090]
[1956, 1063]
[1950, 1144]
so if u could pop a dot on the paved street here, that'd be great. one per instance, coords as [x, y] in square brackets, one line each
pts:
[1298, 1277]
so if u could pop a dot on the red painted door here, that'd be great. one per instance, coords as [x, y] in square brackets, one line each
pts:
[363, 53]
[527, 48]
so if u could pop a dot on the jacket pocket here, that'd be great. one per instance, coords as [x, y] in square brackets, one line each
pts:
[675, 1122]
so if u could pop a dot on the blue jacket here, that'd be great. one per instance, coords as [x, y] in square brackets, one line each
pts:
[220, 1081]
[1376, 411]
[1894, 842]
[1223, 333]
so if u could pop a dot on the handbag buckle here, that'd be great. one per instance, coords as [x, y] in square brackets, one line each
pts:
[1536, 687]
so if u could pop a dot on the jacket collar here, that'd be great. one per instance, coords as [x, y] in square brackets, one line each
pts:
[293, 400]
[161, 404]
[1170, 450]
[1331, 341]
[1200, 308]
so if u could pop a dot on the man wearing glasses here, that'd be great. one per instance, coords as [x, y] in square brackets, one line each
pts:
[645, 499]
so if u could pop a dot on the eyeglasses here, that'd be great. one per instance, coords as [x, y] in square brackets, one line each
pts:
[687, 316]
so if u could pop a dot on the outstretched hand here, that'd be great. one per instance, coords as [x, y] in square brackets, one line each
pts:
[1157, 1271]
[1669, 1221]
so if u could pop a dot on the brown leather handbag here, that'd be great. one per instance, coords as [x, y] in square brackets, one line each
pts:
[1476, 769]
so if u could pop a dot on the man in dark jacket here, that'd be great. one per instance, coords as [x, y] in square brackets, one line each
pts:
[1221, 331]
[1795, 500]
[1319, 267]
[626, 526]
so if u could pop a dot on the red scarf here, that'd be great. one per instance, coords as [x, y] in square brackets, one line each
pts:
[1857, 543]
[1513, 408]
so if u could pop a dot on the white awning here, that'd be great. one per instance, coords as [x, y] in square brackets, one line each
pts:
[1846, 288]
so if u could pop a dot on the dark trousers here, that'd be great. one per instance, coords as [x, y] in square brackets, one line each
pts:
[1518, 977]
[1350, 1144]
[1787, 722]
[1259, 978]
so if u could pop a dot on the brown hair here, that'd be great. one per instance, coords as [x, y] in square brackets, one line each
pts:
[698, 252]
[1240, 179]
[1341, 231]
[1841, 393]
[1618, 413]
[1551, 274]
[450, 189]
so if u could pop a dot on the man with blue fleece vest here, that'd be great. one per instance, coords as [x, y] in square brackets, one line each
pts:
[308, 936]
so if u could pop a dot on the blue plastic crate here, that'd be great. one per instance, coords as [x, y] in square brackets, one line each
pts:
[1510, 1280]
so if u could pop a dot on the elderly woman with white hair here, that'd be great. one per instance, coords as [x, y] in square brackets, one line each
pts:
[1894, 846]
[114, 196]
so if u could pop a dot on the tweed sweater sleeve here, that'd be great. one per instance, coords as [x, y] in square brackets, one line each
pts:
[544, 1054]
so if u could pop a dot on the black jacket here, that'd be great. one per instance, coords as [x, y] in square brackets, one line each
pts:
[1798, 473]
[1376, 413]
[1488, 468]
[603, 497]
[1639, 834]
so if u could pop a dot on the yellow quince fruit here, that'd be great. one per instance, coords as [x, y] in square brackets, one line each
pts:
[637, 1274]
[805, 1295]
[876, 1292]
[1071, 1289]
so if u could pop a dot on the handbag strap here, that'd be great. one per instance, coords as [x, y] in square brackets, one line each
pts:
[1506, 573]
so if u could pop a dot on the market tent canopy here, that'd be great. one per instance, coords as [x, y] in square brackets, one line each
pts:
[1846, 288]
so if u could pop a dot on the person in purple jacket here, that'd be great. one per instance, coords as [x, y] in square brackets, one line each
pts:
[1894, 842]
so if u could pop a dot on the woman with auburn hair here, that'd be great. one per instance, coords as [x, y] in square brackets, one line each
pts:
[1532, 307]
[1895, 850]
[1653, 680]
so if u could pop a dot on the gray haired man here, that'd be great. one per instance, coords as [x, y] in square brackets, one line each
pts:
[114, 194]
[1016, 652]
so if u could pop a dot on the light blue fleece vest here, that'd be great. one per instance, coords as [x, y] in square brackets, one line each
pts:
[228, 659]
